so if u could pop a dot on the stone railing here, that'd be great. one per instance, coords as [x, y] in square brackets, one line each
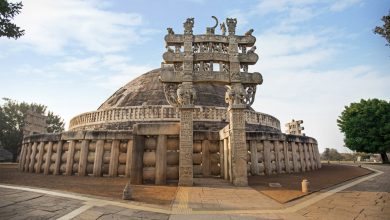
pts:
[165, 113]
[150, 153]
[79, 153]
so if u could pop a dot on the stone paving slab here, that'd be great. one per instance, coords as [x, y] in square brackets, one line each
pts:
[365, 200]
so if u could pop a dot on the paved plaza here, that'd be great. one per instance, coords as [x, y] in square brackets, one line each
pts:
[367, 197]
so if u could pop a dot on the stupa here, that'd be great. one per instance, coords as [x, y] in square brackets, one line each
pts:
[190, 118]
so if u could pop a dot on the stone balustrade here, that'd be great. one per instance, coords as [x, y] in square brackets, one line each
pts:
[164, 113]
[150, 153]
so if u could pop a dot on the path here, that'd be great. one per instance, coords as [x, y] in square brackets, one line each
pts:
[365, 198]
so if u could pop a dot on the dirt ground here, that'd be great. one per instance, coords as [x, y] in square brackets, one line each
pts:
[97, 186]
[111, 188]
[329, 175]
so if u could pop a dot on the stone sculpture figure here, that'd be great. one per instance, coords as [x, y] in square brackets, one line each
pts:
[186, 95]
[188, 25]
[249, 33]
[235, 95]
[170, 93]
[223, 28]
[250, 95]
[231, 23]
[170, 31]
[252, 50]
[211, 30]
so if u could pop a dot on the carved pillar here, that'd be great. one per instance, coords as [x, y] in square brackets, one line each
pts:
[238, 146]
[186, 147]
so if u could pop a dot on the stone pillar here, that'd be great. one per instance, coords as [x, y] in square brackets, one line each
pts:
[32, 157]
[98, 162]
[286, 157]
[302, 157]
[128, 157]
[205, 158]
[70, 158]
[58, 158]
[238, 145]
[186, 147]
[28, 157]
[221, 159]
[137, 159]
[83, 158]
[307, 156]
[267, 157]
[318, 156]
[161, 160]
[114, 159]
[48, 158]
[277, 156]
[254, 158]
[41, 149]
[22, 156]
[226, 158]
[295, 153]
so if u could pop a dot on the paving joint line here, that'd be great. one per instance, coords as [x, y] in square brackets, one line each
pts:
[184, 209]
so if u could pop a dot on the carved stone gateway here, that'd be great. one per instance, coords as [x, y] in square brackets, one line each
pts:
[211, 58]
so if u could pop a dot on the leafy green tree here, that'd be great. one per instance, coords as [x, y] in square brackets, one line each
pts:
[7, 13]
[366, 126]
[12, 115]
[384, 31]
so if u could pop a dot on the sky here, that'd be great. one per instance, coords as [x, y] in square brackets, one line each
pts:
[316, 57]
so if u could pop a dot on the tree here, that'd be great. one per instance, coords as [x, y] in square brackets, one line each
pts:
[12, 116]
[384, 31]
[366, 126]
[7, 13]
[331, 154]
[326, 155]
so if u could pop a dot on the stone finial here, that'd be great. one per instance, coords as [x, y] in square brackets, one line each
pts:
[231, 23]
[188, 25]
[211, 30]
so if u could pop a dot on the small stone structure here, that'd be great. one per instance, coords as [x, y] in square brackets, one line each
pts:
[295, 128]
[190, 118]
[34, 123]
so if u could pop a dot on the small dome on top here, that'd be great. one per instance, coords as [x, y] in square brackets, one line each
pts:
[148, 90]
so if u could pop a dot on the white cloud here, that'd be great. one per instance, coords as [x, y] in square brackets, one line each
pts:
[52, 26]
[343, 4]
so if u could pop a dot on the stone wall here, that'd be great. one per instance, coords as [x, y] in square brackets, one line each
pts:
[125, 117]
[150, 153]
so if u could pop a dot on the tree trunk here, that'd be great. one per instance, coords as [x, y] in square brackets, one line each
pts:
[384, 157]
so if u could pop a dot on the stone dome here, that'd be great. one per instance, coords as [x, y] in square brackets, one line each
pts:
[142, 100]
[148, 90]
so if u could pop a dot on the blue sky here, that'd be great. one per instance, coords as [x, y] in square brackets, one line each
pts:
[315, 56]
